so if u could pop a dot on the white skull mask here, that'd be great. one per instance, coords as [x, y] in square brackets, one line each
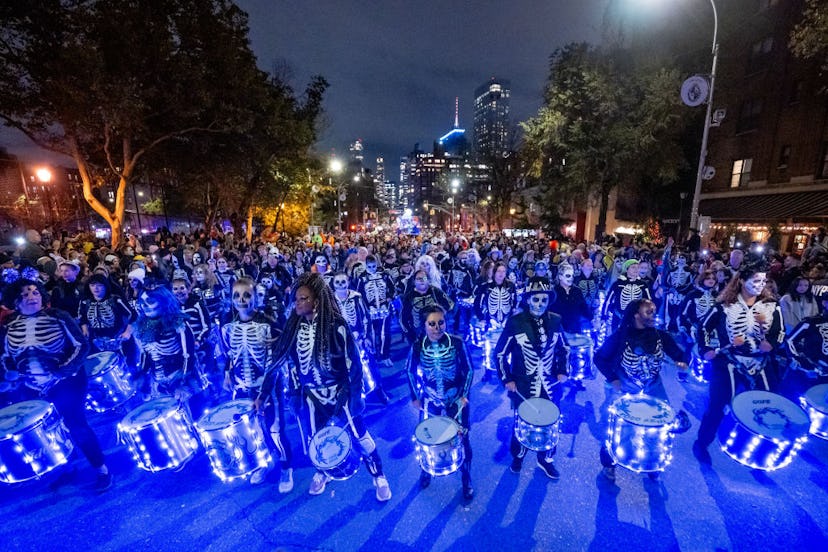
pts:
[565, 276]
[755, 284]
[538, 303]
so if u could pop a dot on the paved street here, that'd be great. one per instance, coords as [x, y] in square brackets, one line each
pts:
[727, 508]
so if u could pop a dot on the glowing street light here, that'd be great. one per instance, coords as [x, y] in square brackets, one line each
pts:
[43, 175]
[335, 166]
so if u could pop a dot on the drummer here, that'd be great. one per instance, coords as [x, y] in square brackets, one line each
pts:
[531, 360]
[106, 320]
[740, 335]
[439, 378]
[632, 359]
[325, 375]
[808, 344]
[248, 344]
[43, 353]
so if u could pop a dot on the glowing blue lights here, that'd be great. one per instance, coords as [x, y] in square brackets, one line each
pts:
[439, 444]
[452, 133]
[33, 442]
[159, 434]
[640, 433]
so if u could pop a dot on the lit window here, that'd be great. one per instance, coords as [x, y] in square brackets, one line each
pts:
[740, 175]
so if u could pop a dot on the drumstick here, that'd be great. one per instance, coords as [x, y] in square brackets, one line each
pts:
[535, 408]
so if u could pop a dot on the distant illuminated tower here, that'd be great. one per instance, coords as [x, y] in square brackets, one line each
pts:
[379, 182]
[356, 150]
[454, 141]
[491, 118]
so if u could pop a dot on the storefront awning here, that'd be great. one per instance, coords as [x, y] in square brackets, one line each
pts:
[798, 206]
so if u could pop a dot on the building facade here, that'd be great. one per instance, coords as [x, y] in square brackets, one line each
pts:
[492, 104]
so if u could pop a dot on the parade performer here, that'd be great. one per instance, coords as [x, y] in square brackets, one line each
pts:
[168, 359]
[632, 358]
[325, 375]
[808, 345]
[576, 320]
[377, 289]
[494, 303]
[106, 320]
[697, 303]
[248, 344]
[740, 335]
[421, 295]
[204, 331]
[43, 351]
[531, 360]
[67, 290]
[461, 286]
[207, 288]
[439, 379]
[589, 285]
[626, 289]
[676, 283]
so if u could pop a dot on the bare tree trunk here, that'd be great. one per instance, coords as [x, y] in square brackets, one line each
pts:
[601, 227]
[249, 234]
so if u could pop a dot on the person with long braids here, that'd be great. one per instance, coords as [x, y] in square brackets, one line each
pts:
[740, 335]
[324, 375]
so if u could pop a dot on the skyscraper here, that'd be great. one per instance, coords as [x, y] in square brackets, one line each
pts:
[491, 118]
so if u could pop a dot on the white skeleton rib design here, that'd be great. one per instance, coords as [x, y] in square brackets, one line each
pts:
[642, 368]
[704, 304]
[348, 308]
[305, 338]
[437, 363]
[36, 343]
[747, 321]
[375, 290]
[248, 344]
[628, 294]
[539, 364]
[499, 303]
[100, 314]
[823, 331]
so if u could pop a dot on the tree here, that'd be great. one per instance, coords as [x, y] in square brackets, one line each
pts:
[809, 39]
[109, 82]
[604, 123]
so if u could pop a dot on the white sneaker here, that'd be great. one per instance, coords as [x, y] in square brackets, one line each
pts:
[258, 476]
[318, 483]
[383, 489]
[286, 481]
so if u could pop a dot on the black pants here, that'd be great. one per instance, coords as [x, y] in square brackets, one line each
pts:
[69, 398]
[274, 422]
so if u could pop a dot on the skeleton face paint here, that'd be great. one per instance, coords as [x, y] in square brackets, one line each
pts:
[371, 268]
[538, 303]
[755, 284]
[321, 265]
[340, 283]
[261, 294]
[681, 262]
[199, 275]
[435, 326]
[149, 306]
[421, 281]
[565, 277]
[197, 258]
[174, 261]
[244, 300]
[179, 289]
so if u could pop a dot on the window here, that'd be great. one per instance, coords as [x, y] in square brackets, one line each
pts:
[823, 164]
[740, 175]
[784, 157]
[749, 115]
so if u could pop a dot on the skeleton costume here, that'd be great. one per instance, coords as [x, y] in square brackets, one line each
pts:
[377, 288]
[414, 303]
[636, 357]
[461, 286]
[741, 367]
[214, 298]
[532, 353]
[248, 345]
[440, 377]
[677, 283]
[494, 303]
[42, 357]
[621, 293]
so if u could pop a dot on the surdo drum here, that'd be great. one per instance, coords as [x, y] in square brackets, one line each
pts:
[332, 452]
[109, 382]
[640, 436]
[815, 402]
[159, 434]
[580, 355]
[439, 444]
[763, 430]
[536, 424]
[233, 436]
[33, 441]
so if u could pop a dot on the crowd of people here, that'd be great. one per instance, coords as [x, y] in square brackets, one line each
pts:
[303, 327]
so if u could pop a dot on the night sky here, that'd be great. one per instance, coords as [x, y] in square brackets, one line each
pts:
[395, 67]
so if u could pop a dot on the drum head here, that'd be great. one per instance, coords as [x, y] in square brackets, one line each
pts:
[225, 414]
[644, 410]
[538, 412]
[20, 416]
[436, 430]
[99, 362]
[151, 411]
[770, 415]
[817, 397]
[329, 447]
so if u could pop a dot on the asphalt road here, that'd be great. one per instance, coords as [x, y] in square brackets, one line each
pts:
[691, 507]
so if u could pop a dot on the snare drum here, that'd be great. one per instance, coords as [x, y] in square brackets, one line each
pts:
[33, 441]
[159, 434]
[815, 402]
[234, 439]
[763, 430]
[439, 444]
[109, 382]
[332, 452]
[380, 313]
[536, 424]
[580, 355]
[640, 434]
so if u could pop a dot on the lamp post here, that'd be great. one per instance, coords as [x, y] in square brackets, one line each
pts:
[335, 167]
[455, 184]
[694, 210]
[682, 197]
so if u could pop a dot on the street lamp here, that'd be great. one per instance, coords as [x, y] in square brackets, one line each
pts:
[694, 210]
[44, 176]
[455, 184]
[335, 167]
